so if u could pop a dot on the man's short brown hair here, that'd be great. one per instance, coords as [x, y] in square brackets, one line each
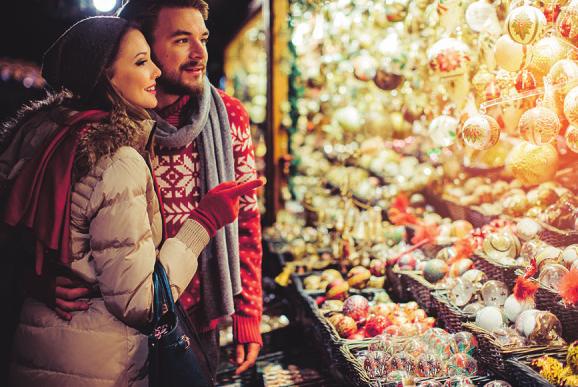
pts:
[145, 12]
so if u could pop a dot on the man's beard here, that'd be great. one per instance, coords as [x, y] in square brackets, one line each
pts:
[171, 84]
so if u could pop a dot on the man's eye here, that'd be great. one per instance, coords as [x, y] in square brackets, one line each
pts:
[183, 40]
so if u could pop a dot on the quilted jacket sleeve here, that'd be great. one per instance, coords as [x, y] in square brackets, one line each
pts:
[122, 242]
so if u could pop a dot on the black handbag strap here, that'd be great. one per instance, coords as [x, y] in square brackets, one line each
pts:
[163, 297]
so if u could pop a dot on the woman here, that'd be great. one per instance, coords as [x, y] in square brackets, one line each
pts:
[88, 199]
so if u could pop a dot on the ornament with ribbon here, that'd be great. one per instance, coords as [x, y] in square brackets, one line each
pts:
[525, 288]
[569, 287]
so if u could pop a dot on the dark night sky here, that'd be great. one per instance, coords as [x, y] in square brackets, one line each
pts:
[28, 27]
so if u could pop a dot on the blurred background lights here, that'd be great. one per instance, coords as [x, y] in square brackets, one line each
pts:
[104, 5]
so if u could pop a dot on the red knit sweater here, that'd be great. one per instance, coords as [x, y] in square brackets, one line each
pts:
[177, 173]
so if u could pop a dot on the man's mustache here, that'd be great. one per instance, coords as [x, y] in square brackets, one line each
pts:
[193, 64]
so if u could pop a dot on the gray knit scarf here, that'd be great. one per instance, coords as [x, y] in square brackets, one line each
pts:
[219, 267]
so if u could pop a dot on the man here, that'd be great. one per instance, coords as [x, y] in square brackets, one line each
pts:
[202, 138]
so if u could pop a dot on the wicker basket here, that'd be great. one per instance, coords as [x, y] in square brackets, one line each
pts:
[495, 270]
[449, 316]
[456, 211]
[557, 237]
[419, 289]
[436, 202]
[394, 286]
[548, 299]
[524, 375]
[493, 356]
[477, 218]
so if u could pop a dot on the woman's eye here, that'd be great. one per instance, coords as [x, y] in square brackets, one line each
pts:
[141, 62]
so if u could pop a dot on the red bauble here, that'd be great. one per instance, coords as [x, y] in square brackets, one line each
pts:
[375, 325]
[525, 81]
[356, 307]
[346, 327]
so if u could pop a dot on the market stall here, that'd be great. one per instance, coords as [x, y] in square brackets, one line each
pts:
[429, 233]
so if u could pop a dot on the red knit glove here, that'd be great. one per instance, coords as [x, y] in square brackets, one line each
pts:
[220, 206]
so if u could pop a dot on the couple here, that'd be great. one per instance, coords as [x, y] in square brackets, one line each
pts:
[90, 182]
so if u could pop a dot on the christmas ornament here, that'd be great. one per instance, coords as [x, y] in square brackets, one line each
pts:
[550, 8]
[490, 318]
[567, 23]
[466, 342]
[525, 81]
[396, 10]
[458, 381]
[376, 363]
[510, 55]
[545, 53]
[532, 164]
[497, 383]
[386, 80]
[571, 107]
[329, 275]
[501, 246]
[442, 130]
[551, 275]
[481, 17]
[481, 132]
[375, 325]
[462, 364]
[513, 307]
[525, 24]
[349, 119]
[462, 293]
[364, 67]
[449, 57]
[570, 255]
[494, 293]
[356, 307]
[480, 81]
[337, 290]
[358, 277]
[572, 357]
[346, 326]
[428, 366]
[435, 270]
[539, 125]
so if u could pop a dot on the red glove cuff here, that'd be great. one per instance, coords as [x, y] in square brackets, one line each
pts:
[205, 220]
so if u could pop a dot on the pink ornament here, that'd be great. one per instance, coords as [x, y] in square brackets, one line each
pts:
[356, 307]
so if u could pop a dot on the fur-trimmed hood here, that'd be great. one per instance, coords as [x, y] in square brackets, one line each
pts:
[22, 137]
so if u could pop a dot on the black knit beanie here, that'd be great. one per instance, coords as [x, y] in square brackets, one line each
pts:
[79, 56]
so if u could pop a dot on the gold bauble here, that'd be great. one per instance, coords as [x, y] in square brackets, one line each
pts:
[525, 24]
[571, 106]
[571, 137]
[532, 164]
[545, 53]
[510, 55]
[539, 125]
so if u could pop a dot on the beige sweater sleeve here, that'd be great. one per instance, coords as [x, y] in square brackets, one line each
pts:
[122, 245]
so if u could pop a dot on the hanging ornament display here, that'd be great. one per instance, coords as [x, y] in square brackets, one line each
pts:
[449, 57]
[481, 132]
[396, 10]
[442, 130]
[525, 81]
[364, 67]
[571, 106]
[567, 23]
[525, 24]
[510, 55]
[539, 125]
[532, 164]
[545, 53]
[571, 137]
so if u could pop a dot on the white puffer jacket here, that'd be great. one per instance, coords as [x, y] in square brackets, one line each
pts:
[116, 227]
